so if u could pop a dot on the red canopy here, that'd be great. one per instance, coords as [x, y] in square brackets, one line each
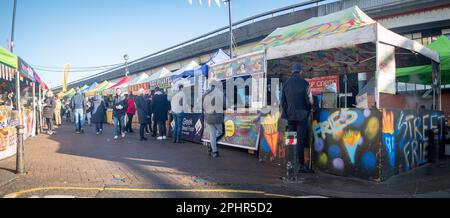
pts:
[121, 82]
[44, 86]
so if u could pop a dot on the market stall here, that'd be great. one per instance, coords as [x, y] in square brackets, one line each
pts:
[27, 98]
[100, 88]
[9, 115]
[193, 78]
[371, 141]
[241, 115]
[136, 84]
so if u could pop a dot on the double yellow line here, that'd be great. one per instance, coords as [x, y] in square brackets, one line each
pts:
[27, 191]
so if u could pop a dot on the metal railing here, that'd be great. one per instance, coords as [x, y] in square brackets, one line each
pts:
[288, 9]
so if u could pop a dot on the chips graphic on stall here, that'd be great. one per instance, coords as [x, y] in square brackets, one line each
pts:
[229, 128]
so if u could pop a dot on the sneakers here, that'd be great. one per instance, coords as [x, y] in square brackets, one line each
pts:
[215, 154]
[159, 138]
[164, 137]
[123, 135]
[116, 137]
[101, 131]
[98, 133]
[50, 132]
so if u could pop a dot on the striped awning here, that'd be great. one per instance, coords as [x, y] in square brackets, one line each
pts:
[7, 73]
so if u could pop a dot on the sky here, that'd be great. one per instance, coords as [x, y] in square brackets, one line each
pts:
[86, 33]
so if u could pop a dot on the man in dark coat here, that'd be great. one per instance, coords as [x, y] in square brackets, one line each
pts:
[296, 102]
[149, 127]
[160, 109]
[98, 109]
[49, 110]
[143, 113]
[119, 106]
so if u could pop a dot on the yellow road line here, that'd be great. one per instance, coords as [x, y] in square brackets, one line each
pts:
[22, 192]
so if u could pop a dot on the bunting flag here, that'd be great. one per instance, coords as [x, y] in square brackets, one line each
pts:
[66, 76]
[218, 2]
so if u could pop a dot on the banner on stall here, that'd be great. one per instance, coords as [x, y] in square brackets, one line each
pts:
[319, 84]
[386, 73]
[26, 70]
[240, 130]
[192, 127]
[243, 66]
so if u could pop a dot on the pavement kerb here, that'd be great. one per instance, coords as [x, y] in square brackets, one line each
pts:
[26, 191]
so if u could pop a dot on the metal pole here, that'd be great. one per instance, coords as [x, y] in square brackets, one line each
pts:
[20, 128]
[34, 109]
[231, 28]
[13, 26]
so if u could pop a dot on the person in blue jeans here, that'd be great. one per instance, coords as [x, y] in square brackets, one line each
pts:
[214, 117]
[177, 114]
[78, 105]
[119, 107]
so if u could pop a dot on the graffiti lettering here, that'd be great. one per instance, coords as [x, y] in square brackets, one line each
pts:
[336, 122]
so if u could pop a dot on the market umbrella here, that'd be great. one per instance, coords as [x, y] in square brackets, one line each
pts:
[422, 74]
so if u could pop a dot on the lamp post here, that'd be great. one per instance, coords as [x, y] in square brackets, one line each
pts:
[126, 57]
[13, 26]
[231, 26]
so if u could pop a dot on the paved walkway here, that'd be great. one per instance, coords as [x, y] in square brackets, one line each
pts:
[68, 159]
[67, 164]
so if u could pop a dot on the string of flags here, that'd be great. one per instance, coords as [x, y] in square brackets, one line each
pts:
[218, 2]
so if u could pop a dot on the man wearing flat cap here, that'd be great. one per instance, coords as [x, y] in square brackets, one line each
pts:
[296, 102]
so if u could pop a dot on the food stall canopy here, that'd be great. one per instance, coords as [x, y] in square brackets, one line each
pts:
[121, 83]
[26, 70]
[422, 74]
[70, 93]
[84, 88]
[37, 78]
[138, 80]
[102, 86]
[183, 72]
[8, 58]
[91, 87]
[342, 29]
[219, 57]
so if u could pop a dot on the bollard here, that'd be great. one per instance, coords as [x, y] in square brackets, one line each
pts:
[291, 157]
[20, 150]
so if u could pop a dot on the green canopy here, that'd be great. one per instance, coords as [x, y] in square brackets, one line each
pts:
[70, 93]
[422, 74]
[84, 88]
[8, 58]
[102, 86]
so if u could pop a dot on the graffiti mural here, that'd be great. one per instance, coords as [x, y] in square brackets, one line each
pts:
[405, 138]
[346, 142]
[272, 146]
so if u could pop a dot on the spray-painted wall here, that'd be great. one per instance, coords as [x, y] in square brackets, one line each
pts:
[370, 144]
[347, 142]
[405, 141]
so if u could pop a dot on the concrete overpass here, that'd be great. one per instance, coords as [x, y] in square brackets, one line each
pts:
[401, 16]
